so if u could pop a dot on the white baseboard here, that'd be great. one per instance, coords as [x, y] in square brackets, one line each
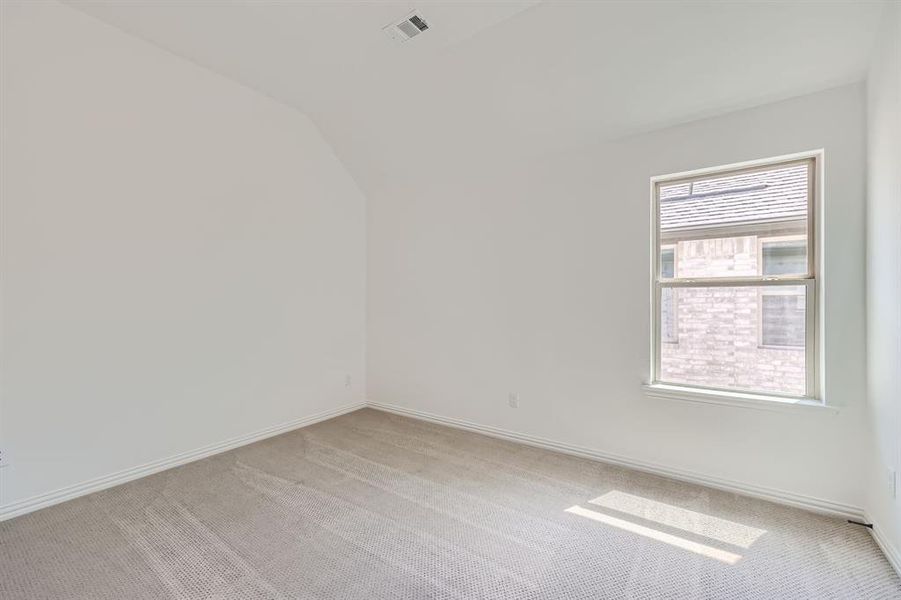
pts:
[819, 505]
[34, 503]
[891, 553]
[810, 503]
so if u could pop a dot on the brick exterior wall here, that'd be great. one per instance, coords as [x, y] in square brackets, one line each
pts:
[717, 337]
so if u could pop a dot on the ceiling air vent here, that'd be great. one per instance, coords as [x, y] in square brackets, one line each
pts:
[408, 28]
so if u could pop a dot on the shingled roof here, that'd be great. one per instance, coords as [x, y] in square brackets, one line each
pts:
[770, 196]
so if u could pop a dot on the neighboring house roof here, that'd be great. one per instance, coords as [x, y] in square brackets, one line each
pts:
[759, 197]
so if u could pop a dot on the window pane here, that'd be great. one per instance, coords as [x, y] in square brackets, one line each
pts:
[667, 304]
[782, 319]
[784, 258]
[667, 263]
[668, 332]
[720, 329]
[716, 223]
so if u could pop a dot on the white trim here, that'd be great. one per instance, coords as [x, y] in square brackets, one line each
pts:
[817, 505]
[764, 163]
[737, 399]
[34, 503]
[891, 553]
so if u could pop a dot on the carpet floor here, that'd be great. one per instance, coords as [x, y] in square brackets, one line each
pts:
[376, 506]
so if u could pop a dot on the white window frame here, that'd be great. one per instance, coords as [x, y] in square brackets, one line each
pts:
[749, 398]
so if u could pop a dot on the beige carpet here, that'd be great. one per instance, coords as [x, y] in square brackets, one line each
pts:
[376, 506]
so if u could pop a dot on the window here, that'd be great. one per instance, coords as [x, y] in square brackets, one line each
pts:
[782, 308]
[783, 256]
[782, 319]
[734, 280]
[668, 329]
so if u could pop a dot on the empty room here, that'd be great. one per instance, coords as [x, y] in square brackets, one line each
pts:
[450, 299]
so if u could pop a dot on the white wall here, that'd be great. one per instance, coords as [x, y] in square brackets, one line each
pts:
[535, 280]
[884, 278]
[183, 262]
[183, 258]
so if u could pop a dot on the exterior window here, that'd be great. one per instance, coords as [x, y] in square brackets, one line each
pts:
[734, 280]
[783, 257]
[782, 310]
[782, 320]
[668, 329]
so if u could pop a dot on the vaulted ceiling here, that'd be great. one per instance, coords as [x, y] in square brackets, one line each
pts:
[494, 82]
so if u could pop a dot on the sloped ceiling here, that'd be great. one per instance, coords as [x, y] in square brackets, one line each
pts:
[492, 83]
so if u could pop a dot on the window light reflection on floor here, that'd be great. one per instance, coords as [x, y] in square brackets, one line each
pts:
[678, 542]
[676, 517]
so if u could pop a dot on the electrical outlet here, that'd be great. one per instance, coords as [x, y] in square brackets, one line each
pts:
[348, 381]
[513, 400]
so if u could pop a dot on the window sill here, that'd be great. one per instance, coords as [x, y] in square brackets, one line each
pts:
[736, 399]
